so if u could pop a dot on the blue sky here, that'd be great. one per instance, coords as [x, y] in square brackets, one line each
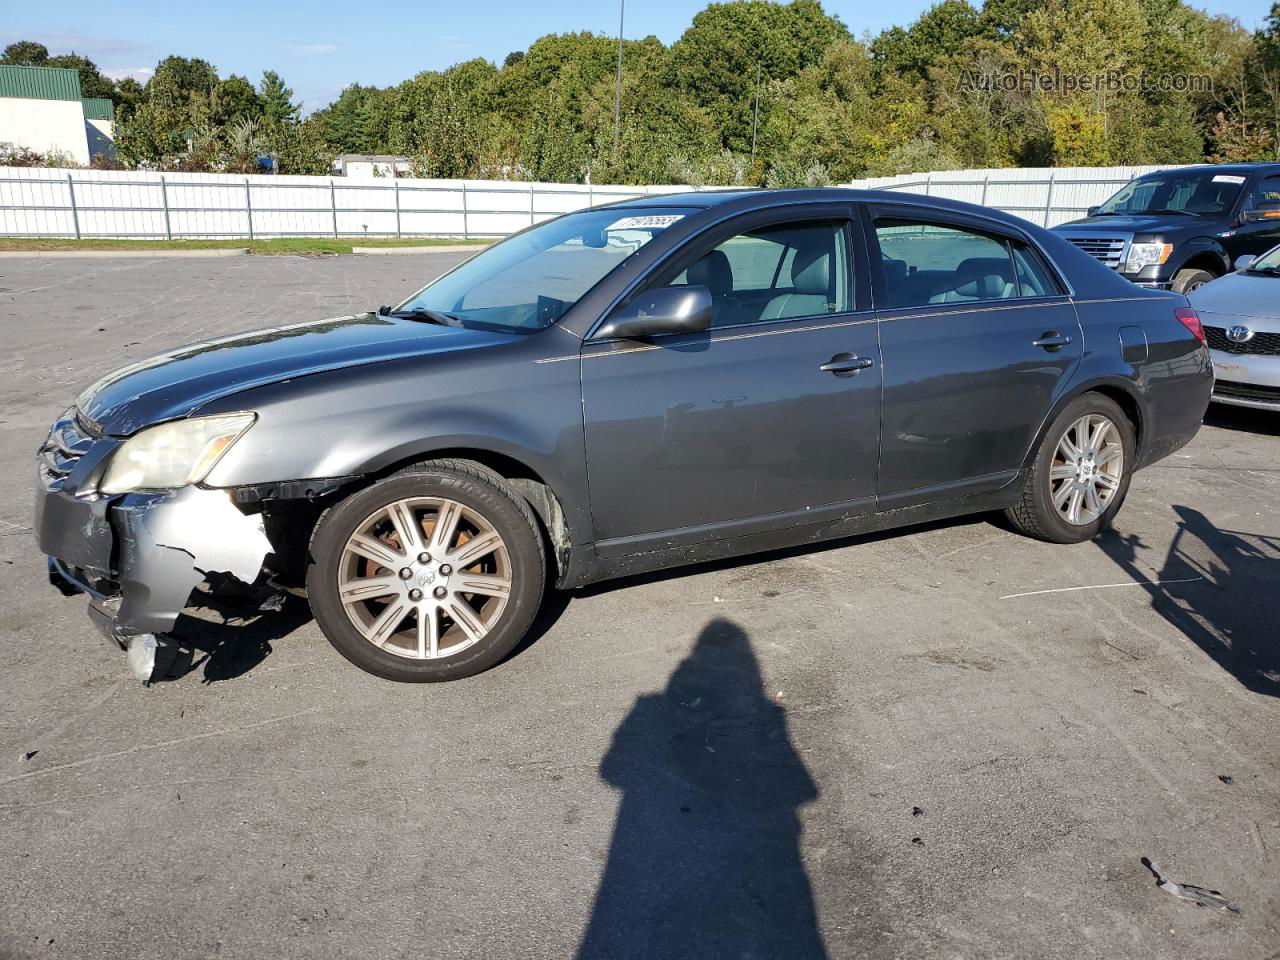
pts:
[322, 45]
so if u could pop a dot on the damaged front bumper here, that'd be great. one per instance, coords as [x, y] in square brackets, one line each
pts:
[138, 556]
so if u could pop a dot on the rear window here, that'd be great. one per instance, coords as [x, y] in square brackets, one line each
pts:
[932, 263]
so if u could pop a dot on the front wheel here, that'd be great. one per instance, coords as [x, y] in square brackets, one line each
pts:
[1184, 281]
[1080, 474]
[432, 574]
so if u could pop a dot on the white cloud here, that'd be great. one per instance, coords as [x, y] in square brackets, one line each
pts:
[87, 45]
[141, 74]
[312, 49]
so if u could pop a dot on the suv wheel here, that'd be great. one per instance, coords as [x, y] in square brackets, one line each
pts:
[432, 574]
[1080, 474]
[1190, 278]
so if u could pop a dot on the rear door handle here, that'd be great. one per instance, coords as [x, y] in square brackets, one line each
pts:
[846, 364]
[1052, 340]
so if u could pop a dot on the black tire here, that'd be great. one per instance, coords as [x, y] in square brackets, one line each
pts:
[1034, 514]
[476, 489]
[1187, 279]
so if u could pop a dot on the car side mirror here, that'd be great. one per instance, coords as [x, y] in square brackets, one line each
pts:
[1269, 212]
[1242, 263]
[1092, 210]
[658, 311]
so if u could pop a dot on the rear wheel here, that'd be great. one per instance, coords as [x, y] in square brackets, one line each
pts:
[1080, 475]
[432, 574]
[1188, 279]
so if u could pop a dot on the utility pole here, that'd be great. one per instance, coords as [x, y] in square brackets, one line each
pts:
[755, 120]
[617, 90]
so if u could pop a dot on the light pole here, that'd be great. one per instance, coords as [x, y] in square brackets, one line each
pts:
[755, 119]
[617, 88]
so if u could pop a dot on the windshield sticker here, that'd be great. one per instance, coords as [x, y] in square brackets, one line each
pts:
[659, 222]
[1226, 178]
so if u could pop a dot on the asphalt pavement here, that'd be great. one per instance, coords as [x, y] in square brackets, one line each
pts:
[942, 742]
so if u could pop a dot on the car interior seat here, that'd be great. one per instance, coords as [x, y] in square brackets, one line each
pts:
[980, 278]
[811, 283]
[714, 272]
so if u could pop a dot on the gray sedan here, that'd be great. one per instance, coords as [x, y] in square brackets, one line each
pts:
[623, 389]
[1241, 316]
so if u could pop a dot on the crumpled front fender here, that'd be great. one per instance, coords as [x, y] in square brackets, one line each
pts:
[169, 543]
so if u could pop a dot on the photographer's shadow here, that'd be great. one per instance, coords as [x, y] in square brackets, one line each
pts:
[705, 857]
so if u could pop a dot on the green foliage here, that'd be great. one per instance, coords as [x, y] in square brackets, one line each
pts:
[26, 53]
[276, 100]
[753, 92]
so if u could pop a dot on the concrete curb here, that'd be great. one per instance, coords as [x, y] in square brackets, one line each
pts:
[58, 254]
[401, 251]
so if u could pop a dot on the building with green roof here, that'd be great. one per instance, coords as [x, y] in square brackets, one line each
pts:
[41, 109]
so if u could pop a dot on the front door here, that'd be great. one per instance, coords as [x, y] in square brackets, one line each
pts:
[736, 430]
[1257, 235]
[977, 340]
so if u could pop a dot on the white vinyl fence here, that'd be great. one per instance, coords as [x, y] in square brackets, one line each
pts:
[1044, 195]
[39, 202]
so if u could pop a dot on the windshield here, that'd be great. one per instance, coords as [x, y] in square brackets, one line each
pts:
[528, 281]
[1268, 262]
[1201, 192]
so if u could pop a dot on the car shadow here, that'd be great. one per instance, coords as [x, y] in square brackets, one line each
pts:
[1231, 614]
[235, 644]
[705, 855]
[783, 553]
[1244, 419]
[240, 639]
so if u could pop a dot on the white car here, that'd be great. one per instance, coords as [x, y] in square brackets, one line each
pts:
[1241, 317]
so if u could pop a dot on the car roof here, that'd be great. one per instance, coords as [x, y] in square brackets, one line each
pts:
[739, 200]
[1215, 168]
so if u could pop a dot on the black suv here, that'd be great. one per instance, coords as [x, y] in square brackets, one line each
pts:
[1178, 229]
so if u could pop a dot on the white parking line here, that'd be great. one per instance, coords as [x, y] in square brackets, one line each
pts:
[1100, 586]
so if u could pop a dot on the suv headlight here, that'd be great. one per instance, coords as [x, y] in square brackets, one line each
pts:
[172, 455]
[1147, 255]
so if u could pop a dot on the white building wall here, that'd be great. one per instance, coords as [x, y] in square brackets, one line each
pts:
[100, 135]
[44, 126]
[369, 169]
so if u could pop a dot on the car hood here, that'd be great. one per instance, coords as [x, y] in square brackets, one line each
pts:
[176, 383]
[1151, 223]
[1240, 294]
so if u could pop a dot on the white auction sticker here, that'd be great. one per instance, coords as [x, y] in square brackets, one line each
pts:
[659, 222]
[1227, 178]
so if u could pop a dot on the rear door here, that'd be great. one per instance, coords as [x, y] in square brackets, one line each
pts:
[740, 429]
[977, 339]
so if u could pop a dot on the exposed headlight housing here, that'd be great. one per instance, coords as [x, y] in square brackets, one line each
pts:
[172, 455]
[1146, 255]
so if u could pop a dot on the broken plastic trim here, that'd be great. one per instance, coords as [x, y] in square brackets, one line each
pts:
[168, 544]
[291, 489]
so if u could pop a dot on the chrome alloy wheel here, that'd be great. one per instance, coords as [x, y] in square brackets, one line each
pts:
[1087, 467]
[424, 578]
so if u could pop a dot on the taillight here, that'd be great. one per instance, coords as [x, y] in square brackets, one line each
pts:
[1191, 320]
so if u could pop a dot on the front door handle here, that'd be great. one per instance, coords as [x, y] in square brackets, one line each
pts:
[1052, 340]
[846, 364]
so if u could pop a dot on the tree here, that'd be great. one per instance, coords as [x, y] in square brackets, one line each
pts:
[234, 100]
[715, 61]
[25, 53]
[940, 31]
[276, 99]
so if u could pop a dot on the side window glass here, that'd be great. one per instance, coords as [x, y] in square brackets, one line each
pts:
[929, 263]
[780, 272]
[1266, 194]
[1033, 278]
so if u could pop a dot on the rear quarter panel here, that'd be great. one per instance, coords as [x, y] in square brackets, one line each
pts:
[1137, 344]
